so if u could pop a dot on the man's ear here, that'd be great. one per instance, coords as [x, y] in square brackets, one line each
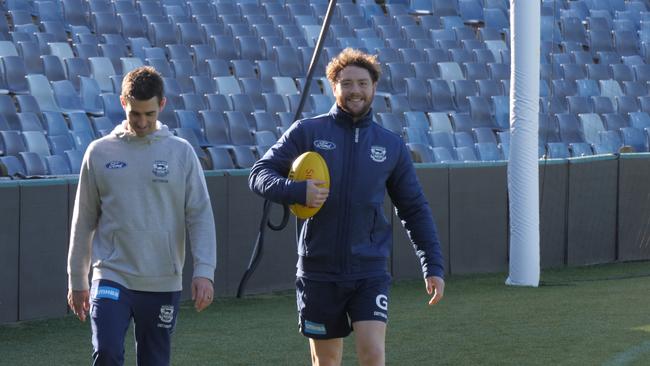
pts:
[163, 101]
[123, 102]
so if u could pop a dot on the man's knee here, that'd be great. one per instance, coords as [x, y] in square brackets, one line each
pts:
[371, 354]
[325, 360]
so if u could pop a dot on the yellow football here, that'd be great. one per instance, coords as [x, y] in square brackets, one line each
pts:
[309, 165]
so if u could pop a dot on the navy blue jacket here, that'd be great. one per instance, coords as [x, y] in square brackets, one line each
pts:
[350, 237]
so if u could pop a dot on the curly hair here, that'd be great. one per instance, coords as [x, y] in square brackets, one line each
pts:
[143, 83]
[352, 57]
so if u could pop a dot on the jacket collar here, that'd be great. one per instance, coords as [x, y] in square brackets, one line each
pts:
[345, 118]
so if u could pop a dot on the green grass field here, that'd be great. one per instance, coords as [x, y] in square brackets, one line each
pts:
[582, 316]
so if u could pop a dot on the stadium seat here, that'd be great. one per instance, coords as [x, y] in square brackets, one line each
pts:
[244, 157]
[416, 91]
[189, 120]
[189, 135]
[569, 126]
[392, 122]
[439, 122]
[441, 95]
[465, 153]
[591, 125]
[442, 139]
[265, 121]
[602, 105]
[31, 53]
[579, 104]
[610, 142]
[587, 87]
[487, 151]
[557, 150]
[11, 143]
[450, 71]
[40, 88]
[216, 128]
[239, 128]
[217, 67]
[218, 102]
[635, 88]
[462, 122]
[66, 96]
[75, 67]
[52, 68]
[36, 142]
[415, 135]
[462, 90]
[274, 103]
[14, 73]
[442, 155]
[420, 153]
[227, 85]
[610, 88]
[55, 124]
[102, 126]
[79, 122]
[220, 158]
[484, 134]
[479, 109]
[57, 165]
[29, 121]
[639, 120]
[101, 69]
[161, 34]
[635, 138]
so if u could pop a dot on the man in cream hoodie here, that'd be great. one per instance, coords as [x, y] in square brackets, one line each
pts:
[140, 188]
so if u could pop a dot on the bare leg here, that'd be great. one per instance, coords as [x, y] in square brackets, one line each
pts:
[326, 352]
[370, 338]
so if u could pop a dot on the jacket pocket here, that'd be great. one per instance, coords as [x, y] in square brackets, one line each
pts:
[143, 253]
[369, 231]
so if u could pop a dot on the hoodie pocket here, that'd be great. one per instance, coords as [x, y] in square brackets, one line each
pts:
[143, 253]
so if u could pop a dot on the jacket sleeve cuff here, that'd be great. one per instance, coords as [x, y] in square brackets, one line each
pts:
[298, 192]
[434, 271]
[78, 282]
[204, 270]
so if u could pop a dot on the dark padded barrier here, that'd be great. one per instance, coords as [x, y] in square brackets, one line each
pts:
[634, 207]
[277, 269]
[478, 218]
[43, 248]
[592, 210]
[9, 247]
[553, 190]
[434, 179]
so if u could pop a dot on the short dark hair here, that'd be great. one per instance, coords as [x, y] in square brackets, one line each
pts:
[352, 57]
[143, 83]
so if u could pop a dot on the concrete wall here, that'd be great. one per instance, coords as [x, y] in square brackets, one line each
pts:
[593, 210]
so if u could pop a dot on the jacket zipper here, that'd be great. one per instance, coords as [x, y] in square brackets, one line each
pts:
[347, 249]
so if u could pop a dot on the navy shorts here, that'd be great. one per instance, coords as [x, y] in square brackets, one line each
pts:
[328, 309]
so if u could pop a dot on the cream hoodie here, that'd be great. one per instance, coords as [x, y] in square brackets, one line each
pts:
[135, 199]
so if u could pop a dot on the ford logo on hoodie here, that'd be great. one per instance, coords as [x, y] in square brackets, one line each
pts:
[115, 164]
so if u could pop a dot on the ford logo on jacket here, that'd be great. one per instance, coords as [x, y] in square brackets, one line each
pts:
[350, 237]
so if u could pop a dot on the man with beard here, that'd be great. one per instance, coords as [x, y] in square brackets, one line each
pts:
[342, 278]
